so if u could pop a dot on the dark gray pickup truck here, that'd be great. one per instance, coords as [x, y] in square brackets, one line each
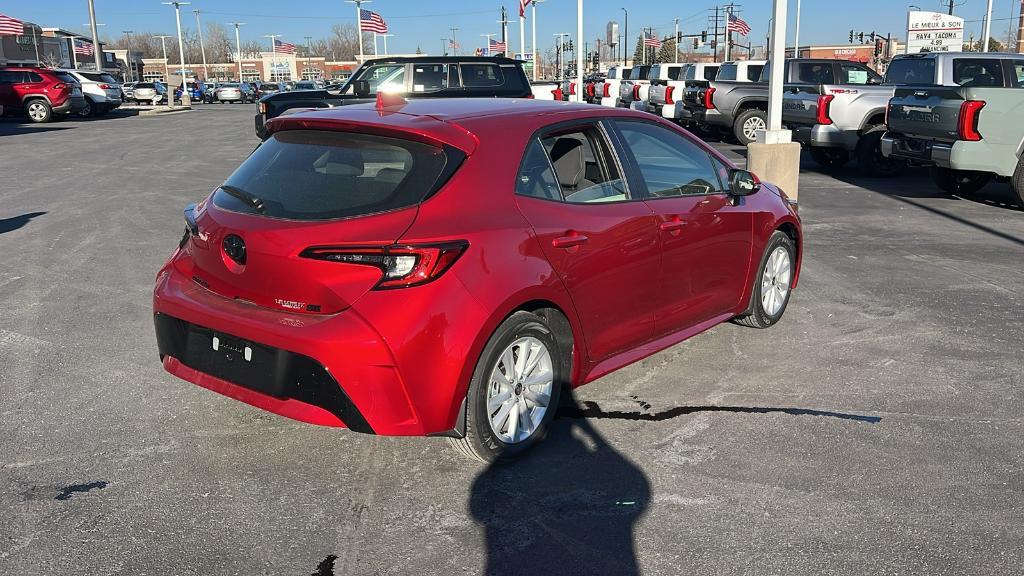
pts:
[963, 115]
[411, 77]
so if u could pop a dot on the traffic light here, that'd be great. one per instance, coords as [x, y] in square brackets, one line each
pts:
[872, 36]
[861, 37]
[696, 44]
[851, 36]
[704, 36]
[679, 38]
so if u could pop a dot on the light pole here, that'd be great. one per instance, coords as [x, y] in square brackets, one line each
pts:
[273, 61]
[128, 55]
[163, 46]
[455, 41]
[579, 53]
[202, 49]
[558, 54]
[238, 48]
[186, 101]
[796, 40]
[359, 23]
[309, 50]
[625, 37]
[444, 46]
[97, 52]
[533, 42]
[987, 29]
[676, 57]
[385, 37]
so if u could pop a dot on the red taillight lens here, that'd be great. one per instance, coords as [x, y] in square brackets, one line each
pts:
[607, 90]
[970, 114]
[402, 266]
[636, 91]
[824, 103]
[572, 88]
[709, 98]
[105, 86]
[668, 95]
[590, 89]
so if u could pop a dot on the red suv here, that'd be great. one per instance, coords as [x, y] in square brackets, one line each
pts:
[446, 267]
[39, 93]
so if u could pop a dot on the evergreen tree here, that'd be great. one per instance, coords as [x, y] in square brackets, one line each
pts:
[667, 52]
[638, 54]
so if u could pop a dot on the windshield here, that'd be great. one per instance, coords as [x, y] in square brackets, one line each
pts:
[315, 175]
[384, 77]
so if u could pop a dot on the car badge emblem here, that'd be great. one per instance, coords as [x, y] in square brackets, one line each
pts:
[234, 247]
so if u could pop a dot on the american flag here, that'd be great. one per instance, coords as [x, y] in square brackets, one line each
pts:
[11, 26]
[495, 46]
[737, 24]
[651, 40]
[453, 44]
[522, 7]
[372, 22]
[83, 48]
[283, 47]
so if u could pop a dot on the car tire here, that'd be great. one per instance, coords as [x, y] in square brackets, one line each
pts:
[830, 158]
[747, 123]
[772, 284]
[870, 158]
[491, 435]
[963, 182]
[39, 111]
[89, 110]
[1017, 183]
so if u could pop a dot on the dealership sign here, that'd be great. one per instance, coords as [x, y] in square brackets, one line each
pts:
[934, 32]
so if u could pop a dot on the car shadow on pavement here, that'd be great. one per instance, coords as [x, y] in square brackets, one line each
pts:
[569, 507]
[18, 128]
[15, 222]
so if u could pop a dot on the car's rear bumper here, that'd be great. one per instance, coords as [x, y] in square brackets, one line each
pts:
[825, 136]
[977, 156]
[72, 104]
[917, 150]
[711, 117]
[671, 111]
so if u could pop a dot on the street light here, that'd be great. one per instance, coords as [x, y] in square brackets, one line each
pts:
[128, 55]
[385, 37]
[625, 37]
[163, 46]
[186, 101]
[238, 47]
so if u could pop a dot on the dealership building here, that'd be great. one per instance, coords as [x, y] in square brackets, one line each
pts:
[264, 67]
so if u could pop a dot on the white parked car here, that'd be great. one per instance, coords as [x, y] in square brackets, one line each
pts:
[101, 90]
[629, 88]
[666, 96]
[608, 91]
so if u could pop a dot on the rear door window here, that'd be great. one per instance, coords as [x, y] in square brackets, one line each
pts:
[315, 175]
[572, 165]
[816, 73]
[977, 72]
[430, 77]
[727, 72]
[856, 74]
[1017, 68]
[481, 75]
[753, 72]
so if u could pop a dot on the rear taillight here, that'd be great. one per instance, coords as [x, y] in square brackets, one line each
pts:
[709, 98]
[263, 106]
[607, 90]
[636, 91]
[572, 88]
[668, 95]
[105, 86]
[402, 266]
[590, 89]
[970, 114]
[824, 103]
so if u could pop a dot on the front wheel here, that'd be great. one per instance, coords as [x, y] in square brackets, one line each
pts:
[830, 157]
[771, 290]
[748, 123]
[965, 182]
[514, 392]
[39, 111]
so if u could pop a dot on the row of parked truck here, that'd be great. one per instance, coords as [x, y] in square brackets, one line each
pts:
[961, 114]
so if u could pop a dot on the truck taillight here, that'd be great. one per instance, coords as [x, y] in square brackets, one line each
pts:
[607, 90]
[402, 266]
[824, 103]
[590, 89]
[636, 91]
[709, 98]
[970, 115]
[668, 95]
[572, 88]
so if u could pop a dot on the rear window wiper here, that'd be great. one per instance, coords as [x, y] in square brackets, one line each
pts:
[244, 196]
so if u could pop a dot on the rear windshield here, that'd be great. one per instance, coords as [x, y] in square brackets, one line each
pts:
[911, 71]
[972, 72]
[95, 77]
[727, 72]
[144, 85]
[639, 73]
[314, 175]
[268, 86]
[65, 77]
[675, 72]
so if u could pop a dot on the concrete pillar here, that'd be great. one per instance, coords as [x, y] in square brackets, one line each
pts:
[777, 164]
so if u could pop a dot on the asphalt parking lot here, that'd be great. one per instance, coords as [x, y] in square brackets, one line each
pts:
[878, 429]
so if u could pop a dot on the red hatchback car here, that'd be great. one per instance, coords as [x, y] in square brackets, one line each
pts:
[446, 267]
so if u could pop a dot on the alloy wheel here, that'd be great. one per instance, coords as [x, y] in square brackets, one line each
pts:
[36, 111]
[775, 281]
[519, 389]
[752, 125]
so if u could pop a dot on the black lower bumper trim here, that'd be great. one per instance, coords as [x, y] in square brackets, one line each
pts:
[265, 369]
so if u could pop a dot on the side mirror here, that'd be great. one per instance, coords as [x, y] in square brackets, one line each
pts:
[361, 88]
[743, 183]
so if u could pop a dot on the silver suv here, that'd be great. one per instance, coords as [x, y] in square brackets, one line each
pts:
[102, 92]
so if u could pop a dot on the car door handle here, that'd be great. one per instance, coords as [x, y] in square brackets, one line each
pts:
[672, 225]
[570, 241]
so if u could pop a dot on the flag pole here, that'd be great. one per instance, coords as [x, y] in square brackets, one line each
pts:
[579, 53]
[359, 27]
[522, 33]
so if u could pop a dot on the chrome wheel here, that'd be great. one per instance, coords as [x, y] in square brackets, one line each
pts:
[519, 390]
[37, 111]
[752, 125]
[775, 281]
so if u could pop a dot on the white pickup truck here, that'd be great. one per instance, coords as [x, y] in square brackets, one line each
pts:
[666, 95]
[629, 88]
[659, 76]
[608, 90]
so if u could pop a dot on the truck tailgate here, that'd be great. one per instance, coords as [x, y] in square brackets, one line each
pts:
[926, 111]
[800, 105]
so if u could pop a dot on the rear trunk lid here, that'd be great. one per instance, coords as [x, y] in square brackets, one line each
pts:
[930, 112]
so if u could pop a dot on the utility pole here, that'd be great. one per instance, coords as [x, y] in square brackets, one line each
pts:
[163, 46]
[128, 55]
[579, 54]
[728, 34]
[796, 49]
[455, 40]
[309, 50]
[202, 48]
[504, 29]
[950, 7]
[238, 48]
[273, 61]
[359, 23]
[97, 52]
[625, 38]
[186, 101]
[714, 43]
[444, 46]
[987, 29]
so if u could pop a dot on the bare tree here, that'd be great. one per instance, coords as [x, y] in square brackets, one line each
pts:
[219, 45]
[251, 49]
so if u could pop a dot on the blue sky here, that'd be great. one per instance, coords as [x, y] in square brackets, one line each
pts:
[424, 23]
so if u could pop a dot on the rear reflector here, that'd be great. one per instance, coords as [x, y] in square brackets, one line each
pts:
[970, 115]
[403, 266]
[668, 95]
[709, 98]
[824, 103]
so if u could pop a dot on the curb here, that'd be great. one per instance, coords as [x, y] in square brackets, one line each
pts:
[164, 110]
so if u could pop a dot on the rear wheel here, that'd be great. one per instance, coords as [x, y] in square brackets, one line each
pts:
[39, 111]
[771, 290]
[964, 182]
[89, 110]
[1017, 183]
[514, 392]
[869, 155]
[748, 123]
[830, 157]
